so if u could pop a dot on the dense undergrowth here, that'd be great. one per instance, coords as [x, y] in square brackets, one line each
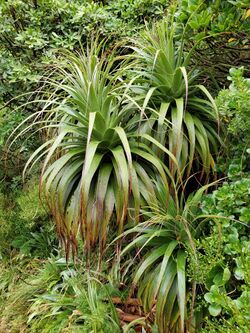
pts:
[141, 137]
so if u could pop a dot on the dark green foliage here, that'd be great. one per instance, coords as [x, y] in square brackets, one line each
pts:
[210, 17]
[224, 251]
[30, 30]
[25, 224]
[12, 164]
[233, 105]
[223, 29]
[224, 254]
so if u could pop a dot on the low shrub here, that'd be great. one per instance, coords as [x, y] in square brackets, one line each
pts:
[25, 225]
[223, 254]
[64, 293]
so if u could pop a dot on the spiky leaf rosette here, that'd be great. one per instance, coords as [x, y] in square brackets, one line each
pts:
[95, 168]
[160, 245]
[181, 114]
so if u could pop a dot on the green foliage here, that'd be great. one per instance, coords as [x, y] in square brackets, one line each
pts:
[29, 30]
[71, 299]
[224, 255]
[11, 164]
[25, 224]
[74, 305]
[211, 17]
[233, 104]
[137, 10]
[222, 27]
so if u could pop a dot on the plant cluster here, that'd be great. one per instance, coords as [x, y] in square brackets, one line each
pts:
[127, 142]
[117, 137]
[225, 254]
[122, 137]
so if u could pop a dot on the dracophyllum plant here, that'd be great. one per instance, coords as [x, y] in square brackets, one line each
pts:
[96, 170]
[159, 248]
[180, 113]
